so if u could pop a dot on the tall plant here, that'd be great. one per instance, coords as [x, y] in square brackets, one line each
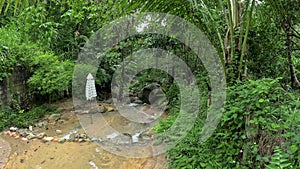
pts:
[287, 16]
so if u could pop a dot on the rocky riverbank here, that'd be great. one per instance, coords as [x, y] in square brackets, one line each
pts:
[58, 141]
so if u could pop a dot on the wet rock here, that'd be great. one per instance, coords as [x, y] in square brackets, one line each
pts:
[93, 111]
[59, 140]
[65, 116]
[72, 137]
[58, 131]
[55, 140]
[123, 139]
[131, 93]
[112, 135]
[135, 138]
[110, 108]
[61, 121]
[48, 139]
[137, 101]
[149, 133]
[43, 124]
[102, 109]
[13, 129]
[145, 107]
[120, 139]
[23, 132]
[31, 136]
[133, 105]
[145, 92]
[146, 138]
[24, 139]
[80, 140]
[133, 98]
[96, 139]
[41, 135]
[54, 117]
[127, 134]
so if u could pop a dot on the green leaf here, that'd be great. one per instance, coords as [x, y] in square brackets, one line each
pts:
[261, 100]
[294, 148]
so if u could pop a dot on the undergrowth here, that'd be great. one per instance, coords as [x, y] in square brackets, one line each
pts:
[22, 118]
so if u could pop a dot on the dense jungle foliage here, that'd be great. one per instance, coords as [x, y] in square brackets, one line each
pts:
[257, 41]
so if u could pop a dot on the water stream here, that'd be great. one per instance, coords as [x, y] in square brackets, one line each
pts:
[126, 132]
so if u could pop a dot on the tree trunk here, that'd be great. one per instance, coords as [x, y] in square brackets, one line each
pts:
[294, 80]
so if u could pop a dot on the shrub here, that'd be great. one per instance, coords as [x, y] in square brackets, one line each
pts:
[22, 118]
[51, 77]
[257, 118]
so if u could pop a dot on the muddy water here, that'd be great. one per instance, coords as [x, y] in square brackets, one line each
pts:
[87, 155]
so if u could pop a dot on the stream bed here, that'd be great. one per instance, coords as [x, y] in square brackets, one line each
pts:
[121, 144]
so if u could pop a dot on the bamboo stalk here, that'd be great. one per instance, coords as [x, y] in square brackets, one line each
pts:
[7, 6]
[1, 5]
[231, 30]
[16, 6]
[249, 14]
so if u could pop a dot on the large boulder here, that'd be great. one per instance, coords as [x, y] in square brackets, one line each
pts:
[144, 94]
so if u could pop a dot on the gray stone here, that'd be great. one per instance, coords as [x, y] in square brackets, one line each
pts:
[48, 138]
[110, 108]
[137, 101]
[23, 132]
[31, 136]
[61, 140]
[146, 138]
[123, 139]
[93, 111]
[43, 124]
[41, 135]
[54, 117]
[65, 116]
[61, 121]
[13, 129]
[72, 137]
[145, 92]
[58, 132]
[101, 109]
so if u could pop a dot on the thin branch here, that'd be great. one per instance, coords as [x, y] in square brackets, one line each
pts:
[295, 31]
[294, 35]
